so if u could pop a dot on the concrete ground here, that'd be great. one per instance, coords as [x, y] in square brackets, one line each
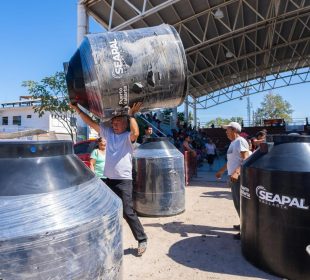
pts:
[197, 244]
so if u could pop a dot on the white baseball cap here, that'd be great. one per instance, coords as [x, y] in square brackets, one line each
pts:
[234, 125]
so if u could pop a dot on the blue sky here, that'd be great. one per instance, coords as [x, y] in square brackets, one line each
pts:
[38, 36]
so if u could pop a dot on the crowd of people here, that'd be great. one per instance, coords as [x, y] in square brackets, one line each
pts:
[111, 161]
[203, 147]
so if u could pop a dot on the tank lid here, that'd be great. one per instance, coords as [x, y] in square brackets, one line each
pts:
[157, 143]
[289, 138]
[26, 149]
[155, 139]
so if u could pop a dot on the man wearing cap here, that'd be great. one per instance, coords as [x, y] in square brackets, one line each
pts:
[237, 152]
[118, 166]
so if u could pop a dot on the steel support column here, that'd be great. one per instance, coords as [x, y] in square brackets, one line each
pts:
[82, 30]
[195, 112]
[82, 22]
[186, 109]
[174, 117]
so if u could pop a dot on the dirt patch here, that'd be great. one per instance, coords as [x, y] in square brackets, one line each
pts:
[197, 244]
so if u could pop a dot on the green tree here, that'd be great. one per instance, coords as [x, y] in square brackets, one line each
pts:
[167, 112]
[237, 119]
[273, 107]
[190, 117]
[219, 121]
[53, 93]
[181, 116]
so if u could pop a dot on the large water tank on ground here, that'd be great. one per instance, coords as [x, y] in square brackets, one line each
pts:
[110, 71]
[275, 200]
[57, 220]
[159, 184]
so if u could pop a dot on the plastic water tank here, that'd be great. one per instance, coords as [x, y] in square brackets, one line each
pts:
[111, 71]
[57, 220]
[275, 201]
[159, 184]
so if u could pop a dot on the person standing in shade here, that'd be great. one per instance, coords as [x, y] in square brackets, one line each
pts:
[237, 152]
[97, 158]
[187, 146]
[211, 152]
[118, 166]
[259, 138]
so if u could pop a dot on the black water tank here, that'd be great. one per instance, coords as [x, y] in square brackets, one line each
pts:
[159, 184]
[110, 71]
[275, 200]
[57, 220]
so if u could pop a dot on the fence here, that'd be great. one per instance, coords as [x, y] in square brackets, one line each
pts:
[257, 123]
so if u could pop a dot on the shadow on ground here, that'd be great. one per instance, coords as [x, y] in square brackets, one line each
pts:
[131, 251]
[185, 229]
[218, 194]
[214, 250]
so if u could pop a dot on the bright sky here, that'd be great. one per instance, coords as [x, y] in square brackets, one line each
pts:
[38, 36]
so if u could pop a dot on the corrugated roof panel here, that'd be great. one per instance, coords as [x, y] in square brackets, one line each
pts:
[226, 42]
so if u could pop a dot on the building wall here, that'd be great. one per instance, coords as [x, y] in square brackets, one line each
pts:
[26, 123]
[47, 122]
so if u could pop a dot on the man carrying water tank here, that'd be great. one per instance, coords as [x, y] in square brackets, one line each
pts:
[118, 166]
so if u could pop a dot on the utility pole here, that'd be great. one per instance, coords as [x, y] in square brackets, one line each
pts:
[248, 109]
[249, 105]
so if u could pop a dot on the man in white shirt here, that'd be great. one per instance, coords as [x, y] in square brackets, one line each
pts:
[237, 152]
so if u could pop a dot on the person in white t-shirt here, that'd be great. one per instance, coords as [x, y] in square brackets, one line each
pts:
[237, 152]
[210, 150]
[118, 165]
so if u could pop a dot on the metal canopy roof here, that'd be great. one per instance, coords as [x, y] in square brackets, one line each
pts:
[228, 43]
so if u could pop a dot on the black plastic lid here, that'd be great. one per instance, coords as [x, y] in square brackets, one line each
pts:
[75, 81]
[289, 138]
[29, 149]
[33, 167]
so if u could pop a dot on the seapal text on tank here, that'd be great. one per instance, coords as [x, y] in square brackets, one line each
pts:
[278, 200]
[117, 59]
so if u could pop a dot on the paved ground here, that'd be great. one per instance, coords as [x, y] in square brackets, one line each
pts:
[197, 244]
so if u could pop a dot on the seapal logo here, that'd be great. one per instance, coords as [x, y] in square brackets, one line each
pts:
[278, 200]
[118, 69]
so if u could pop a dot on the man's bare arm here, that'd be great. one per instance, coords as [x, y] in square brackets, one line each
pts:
[87, 119]
[134, 128]
[234, 177]
[221, 171]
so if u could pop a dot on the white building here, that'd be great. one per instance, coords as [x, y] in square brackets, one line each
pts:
[20, 116]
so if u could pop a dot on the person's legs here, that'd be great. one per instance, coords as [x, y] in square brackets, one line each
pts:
[235, 191]
[210, 159]
[123, 188]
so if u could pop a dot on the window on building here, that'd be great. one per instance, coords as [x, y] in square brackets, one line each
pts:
[5, 120]
[17, 120]
[28, 116]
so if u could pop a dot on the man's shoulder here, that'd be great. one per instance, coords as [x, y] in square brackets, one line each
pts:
[240, 139]
[243, 143]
